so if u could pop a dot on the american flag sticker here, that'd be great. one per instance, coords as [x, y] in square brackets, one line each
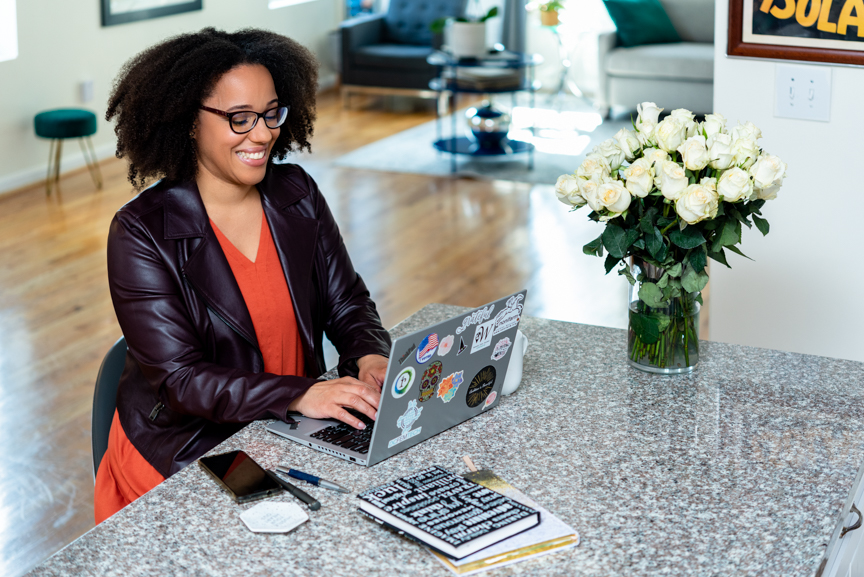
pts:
[427, 348]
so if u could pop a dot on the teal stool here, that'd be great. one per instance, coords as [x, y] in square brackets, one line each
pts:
[59, 125]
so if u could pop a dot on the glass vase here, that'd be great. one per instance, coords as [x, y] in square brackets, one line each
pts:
[663, 339]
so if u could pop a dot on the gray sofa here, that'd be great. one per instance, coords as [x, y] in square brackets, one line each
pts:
[679, 75]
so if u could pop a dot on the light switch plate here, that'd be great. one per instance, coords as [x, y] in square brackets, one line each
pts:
[803, 92]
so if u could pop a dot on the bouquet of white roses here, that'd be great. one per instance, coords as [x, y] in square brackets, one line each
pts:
[673, 193]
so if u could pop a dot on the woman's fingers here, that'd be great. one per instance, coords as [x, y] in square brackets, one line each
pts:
[372, 369]
[331, 399]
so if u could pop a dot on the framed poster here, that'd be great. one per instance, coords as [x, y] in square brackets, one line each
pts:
[123, 11]
[814, 30]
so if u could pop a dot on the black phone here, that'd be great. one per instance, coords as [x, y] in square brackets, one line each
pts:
[239, 475]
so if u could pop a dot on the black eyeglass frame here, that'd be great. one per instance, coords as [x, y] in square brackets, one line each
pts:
[230, 116]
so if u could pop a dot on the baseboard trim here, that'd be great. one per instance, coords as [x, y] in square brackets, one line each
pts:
[35, 174]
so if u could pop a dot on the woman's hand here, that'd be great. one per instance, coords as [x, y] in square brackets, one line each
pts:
[330, 399]
[373, 369]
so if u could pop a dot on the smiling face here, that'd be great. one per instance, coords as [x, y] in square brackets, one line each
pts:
[225, 157]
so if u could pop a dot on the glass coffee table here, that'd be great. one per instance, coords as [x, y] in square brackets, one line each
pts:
[501, 72]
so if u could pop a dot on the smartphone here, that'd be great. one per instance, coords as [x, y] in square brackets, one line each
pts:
[240, 476]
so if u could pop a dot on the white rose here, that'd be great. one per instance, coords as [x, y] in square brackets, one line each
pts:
[640, 178]
[709, 182]
[697, 203]
[648, 112]
[686, 118]
[735, 185]
[769, 192]
[670, 133]
[613, 196]
[694, 153]
[655, 155]
[747, 130]
[567, 190]
[612, 152]
[590, 190]
[746, 150]
[593, 164]
[628, 143]
[720, 151]
[671, 179]
[713, 124]
[767, 169]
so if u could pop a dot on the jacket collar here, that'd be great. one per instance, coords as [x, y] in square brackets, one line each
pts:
[208, 270]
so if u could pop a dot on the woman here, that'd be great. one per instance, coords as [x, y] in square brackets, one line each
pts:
[226, 273]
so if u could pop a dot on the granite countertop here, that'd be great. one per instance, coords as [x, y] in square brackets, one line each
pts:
[739, 468]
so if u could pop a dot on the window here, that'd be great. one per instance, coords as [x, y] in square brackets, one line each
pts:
[8, 31]
[273, 4]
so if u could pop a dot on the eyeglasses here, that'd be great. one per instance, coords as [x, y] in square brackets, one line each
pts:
[244, 121]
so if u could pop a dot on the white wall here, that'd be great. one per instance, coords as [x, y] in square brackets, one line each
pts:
[802, 293]
[61, 43]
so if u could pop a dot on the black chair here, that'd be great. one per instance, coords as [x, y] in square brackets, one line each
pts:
[386, 53]
[105, 400]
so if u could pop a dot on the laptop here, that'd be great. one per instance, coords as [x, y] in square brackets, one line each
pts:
[436, 378]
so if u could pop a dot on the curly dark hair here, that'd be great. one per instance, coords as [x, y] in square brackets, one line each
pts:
[157, 94]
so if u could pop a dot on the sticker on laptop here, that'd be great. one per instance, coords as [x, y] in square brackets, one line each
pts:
[509, 317]
[480, 387]
[407, 354]
[477, 316]
[447, 388]
[445, 345]
[501, 349]
[405, 422]
[489, 400]
[462, 346]
[403, 382]
[430, 379]
[427, 348]
[482, 337]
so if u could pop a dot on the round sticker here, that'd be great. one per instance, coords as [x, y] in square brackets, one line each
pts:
[480, 387]
[403, 382]
[427, 348]
[430, 380]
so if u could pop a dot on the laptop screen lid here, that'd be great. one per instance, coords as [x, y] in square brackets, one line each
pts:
[445, 374]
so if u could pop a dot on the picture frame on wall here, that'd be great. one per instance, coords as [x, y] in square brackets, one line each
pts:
[830, 31]
[124, 11]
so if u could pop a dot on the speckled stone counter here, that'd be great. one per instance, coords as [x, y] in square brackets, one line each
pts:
[738, 469]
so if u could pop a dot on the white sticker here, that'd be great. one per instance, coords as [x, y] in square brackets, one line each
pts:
[509, 317]
[273, 517]
[445, 345]
[501, 349]
[482, 337]
[405, 422]
[477, 316]
[403, 382]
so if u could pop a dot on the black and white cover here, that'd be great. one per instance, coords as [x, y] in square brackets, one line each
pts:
[448, 512]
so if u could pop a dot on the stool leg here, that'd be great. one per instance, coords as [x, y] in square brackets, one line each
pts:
[92, 164]
[57, 155]
[50, 172]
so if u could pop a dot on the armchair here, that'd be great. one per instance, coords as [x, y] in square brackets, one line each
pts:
[386, 53]
[676, 75]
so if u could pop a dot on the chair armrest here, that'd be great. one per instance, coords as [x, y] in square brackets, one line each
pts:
[357, 32]
[606, 42]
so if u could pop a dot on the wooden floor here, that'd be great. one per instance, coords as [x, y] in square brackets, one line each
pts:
[415, 239]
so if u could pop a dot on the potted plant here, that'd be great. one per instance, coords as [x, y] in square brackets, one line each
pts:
[465, 37]
[549, 12]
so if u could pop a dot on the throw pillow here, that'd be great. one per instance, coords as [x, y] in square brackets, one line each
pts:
[641, 22]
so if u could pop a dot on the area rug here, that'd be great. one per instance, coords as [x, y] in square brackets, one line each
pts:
[563, 132]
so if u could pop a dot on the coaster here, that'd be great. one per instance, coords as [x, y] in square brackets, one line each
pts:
[274, 517]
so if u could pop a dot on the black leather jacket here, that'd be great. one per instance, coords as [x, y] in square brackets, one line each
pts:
[194, 372]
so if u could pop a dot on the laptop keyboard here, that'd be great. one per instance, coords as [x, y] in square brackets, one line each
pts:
[347, 436]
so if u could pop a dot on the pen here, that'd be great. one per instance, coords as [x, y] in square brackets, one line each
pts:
[314, 505]
[312, 479]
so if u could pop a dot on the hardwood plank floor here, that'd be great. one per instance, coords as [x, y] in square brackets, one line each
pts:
[415, 239]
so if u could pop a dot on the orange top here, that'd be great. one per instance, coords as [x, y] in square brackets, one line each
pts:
[124, 475]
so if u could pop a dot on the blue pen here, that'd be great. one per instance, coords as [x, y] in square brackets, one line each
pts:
[311, 479]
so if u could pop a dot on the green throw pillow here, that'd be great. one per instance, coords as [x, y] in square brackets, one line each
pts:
[641, 22]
